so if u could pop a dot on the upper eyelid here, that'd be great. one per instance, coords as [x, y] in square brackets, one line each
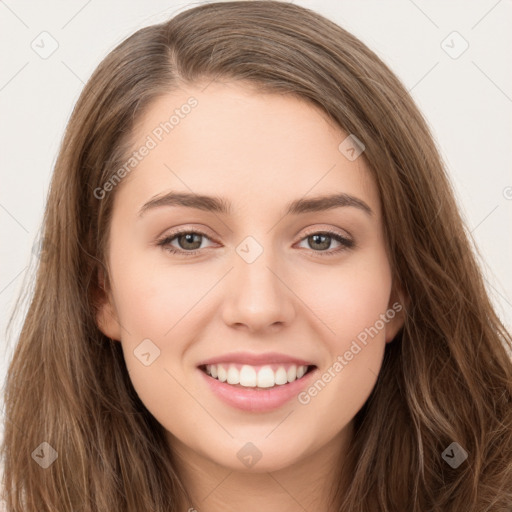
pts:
[338, 231]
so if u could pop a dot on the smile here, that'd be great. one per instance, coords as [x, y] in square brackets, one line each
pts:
[263, 376]
[256, 389]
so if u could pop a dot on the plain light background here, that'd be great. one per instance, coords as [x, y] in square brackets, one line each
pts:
[466, 99]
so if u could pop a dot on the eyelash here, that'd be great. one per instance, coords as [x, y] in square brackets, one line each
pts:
[346, 243]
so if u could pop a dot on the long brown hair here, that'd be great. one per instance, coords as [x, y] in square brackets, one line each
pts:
[446, 378]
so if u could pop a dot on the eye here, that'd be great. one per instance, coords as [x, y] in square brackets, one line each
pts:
[323, 239]
[186, 238]
[189, 242]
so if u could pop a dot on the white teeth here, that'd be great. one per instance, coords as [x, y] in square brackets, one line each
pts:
[249, 376]
[233, 375]
[222, 375]
[281, 377]
[291, 373]
[266, 377]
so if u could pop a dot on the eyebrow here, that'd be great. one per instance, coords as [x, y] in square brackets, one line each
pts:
[222, 206]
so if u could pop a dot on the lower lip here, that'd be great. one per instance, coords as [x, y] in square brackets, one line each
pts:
[257, 399]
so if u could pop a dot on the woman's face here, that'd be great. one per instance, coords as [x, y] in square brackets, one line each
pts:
[267, 279]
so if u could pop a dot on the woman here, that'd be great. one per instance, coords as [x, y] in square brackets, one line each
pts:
[259, 370]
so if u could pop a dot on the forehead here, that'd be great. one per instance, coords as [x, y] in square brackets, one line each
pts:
[232, 141]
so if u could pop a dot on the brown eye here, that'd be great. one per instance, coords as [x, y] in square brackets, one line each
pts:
[321, 241]
[189, 242]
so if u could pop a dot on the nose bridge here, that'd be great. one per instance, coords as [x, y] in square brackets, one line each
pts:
[257, 295]
[253, 268]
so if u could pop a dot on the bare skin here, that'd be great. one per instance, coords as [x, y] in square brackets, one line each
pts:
[259, 152]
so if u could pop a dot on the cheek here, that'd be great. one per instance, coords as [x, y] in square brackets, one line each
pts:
[152, 304]
[161, 303]
[351, 303]
[350, 298]
[150, 299]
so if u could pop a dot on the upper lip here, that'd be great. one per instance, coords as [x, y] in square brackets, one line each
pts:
[256, 359]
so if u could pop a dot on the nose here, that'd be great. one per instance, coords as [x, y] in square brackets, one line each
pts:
[258, 296]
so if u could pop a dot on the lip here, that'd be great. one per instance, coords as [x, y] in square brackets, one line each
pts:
[256, 359]
[257, 399]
